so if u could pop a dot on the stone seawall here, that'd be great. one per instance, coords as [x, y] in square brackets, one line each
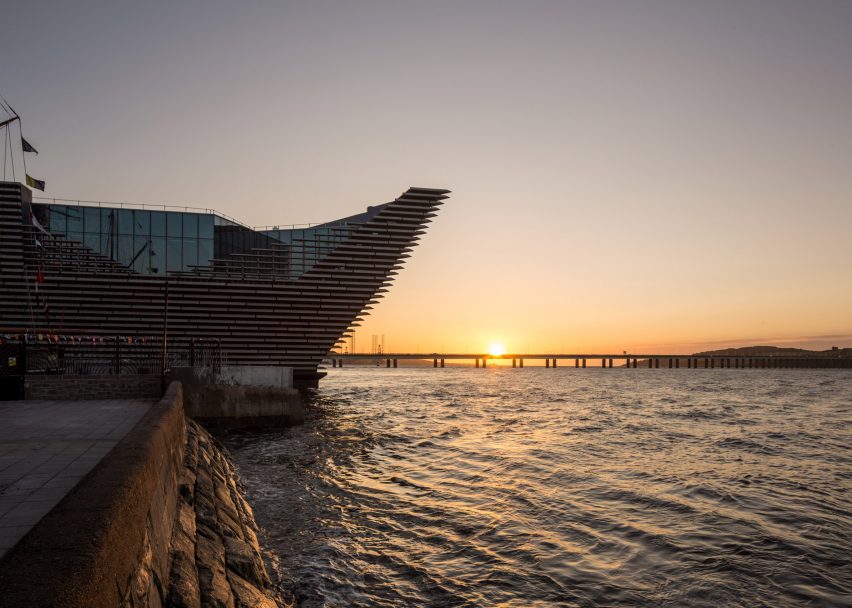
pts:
[77, 388]
[106, 544]
[159, 522]
[215, 555]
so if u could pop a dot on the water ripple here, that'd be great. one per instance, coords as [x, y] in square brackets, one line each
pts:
[496, 487]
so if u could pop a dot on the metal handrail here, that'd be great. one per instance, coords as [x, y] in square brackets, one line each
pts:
[142, 206]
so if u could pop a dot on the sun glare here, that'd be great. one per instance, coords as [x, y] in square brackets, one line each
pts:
[496, 349]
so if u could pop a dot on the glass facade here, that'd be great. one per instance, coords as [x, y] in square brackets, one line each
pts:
[149, 242]
[161, 242]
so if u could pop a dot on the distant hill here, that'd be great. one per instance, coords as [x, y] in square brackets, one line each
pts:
[774, 351]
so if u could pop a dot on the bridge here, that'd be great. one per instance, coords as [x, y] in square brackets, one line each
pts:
[606, 361]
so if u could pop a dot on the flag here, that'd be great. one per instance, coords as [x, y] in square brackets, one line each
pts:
[34, 221]
[28, 147]
[35, 183]
[39, 247]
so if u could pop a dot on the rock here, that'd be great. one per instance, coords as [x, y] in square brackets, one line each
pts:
[213, 582]
[215, 555]
[244, 559]
[183, 590]
[249, 596]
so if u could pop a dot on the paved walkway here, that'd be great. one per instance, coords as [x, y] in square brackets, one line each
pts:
[46, 447]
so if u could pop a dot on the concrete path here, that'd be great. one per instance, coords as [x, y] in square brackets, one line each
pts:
[46, 447]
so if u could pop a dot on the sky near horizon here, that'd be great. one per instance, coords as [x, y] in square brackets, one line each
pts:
[658, 176]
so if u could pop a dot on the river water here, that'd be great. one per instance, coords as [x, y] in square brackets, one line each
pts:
[543, 487]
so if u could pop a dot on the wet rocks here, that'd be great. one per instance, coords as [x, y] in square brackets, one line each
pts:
[215, 556]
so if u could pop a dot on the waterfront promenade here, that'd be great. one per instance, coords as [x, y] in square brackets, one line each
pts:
[47, 447]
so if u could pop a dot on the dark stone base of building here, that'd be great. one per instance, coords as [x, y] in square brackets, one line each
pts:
[76, 388]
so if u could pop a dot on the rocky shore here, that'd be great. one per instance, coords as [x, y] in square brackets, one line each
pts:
[216, 560]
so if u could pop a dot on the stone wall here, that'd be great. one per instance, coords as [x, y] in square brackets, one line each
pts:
[70, 387]
[215, 555]
[231, 399]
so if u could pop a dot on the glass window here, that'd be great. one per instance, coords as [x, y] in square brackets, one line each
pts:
[142, 223]
[158, 255]
[205, 226]
[92, 240]
[190, 225]
[158, 223]
[123, 251]
[91, 219]
[174, 222]
[74, 222]
[56, 215]
[190, 252]
[205, 251]
[125, 221]
[174, 259]
[142, 254]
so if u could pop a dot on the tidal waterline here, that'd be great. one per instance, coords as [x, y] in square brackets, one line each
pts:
[542, 487]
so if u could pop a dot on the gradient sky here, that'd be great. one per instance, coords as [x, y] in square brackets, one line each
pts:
[625, 175]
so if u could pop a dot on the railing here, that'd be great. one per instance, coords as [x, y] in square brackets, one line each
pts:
[104, 355]
[141, 206]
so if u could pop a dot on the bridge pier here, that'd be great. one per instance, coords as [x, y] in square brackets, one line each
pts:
[387, 362]
[610, 362]
[554, 362]
[576, 363]
[547, 362]
[671, 363]
[477, 362]
[657, 363]
[395, 362]
[514, 363]
[584, 364]
[603, 362]
[483, 362]
[334, 362]
[520, 362]
[434, 362]
[442, 363]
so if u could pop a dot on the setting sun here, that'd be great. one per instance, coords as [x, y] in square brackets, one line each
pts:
[496, 349]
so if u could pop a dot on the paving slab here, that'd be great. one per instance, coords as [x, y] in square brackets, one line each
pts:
[47, 447]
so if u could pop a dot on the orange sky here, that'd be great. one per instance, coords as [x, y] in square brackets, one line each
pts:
[625, 176]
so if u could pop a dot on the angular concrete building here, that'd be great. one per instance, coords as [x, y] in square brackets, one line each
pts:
[273, 296]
